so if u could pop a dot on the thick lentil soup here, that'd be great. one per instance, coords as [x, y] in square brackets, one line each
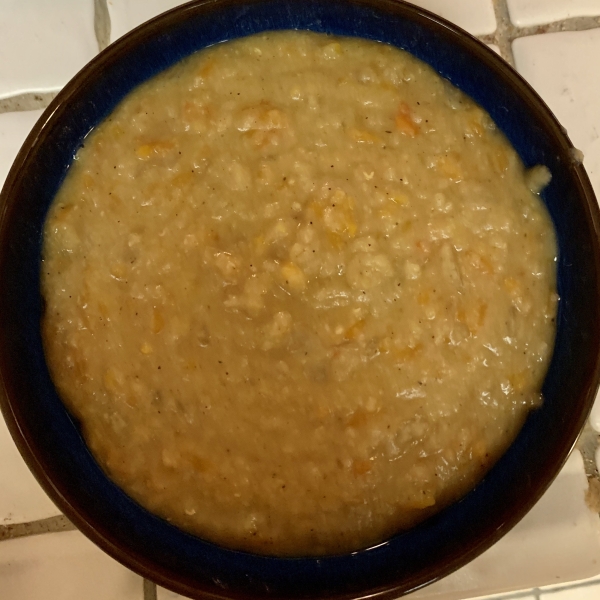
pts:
[300, 293]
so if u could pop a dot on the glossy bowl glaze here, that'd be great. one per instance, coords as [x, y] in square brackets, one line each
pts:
[50, 439]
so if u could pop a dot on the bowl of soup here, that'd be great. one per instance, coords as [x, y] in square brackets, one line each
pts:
[299, 299]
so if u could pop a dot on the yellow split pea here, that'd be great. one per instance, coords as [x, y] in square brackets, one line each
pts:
[299, 293]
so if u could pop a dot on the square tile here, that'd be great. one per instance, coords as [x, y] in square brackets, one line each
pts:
[561, 69]
[43, 44]
[476, 16]
[22, 499]
[535, 12]
[127, 14]
[14, 128]
[63, 566]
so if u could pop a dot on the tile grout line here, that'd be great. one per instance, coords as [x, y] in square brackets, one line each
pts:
[503, 32]
[488, 38]
[102, 25]
[507, 32]
[562, 25]
[26, 101]
[149, 590]
[521, 595]
[538, 592]
[588, 444]
[50, 525]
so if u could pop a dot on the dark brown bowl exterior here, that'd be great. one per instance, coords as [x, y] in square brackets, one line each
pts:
[50, 440]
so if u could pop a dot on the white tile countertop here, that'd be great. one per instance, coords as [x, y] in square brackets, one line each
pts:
[554, 553]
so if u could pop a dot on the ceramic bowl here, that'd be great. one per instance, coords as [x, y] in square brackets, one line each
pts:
[50, 439]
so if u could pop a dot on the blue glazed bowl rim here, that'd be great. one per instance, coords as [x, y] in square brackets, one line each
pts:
[105, 535]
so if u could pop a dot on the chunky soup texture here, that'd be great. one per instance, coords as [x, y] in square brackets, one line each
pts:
[300, 293]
